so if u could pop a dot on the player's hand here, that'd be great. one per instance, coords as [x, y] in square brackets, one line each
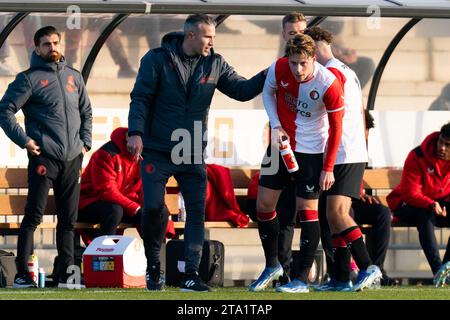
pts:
[135, 146]
[277, 134]
[369, 199]
[438, 210]
[33, 148]
[326, 180]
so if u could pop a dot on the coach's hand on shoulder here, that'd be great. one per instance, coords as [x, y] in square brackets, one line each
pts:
[33, 148]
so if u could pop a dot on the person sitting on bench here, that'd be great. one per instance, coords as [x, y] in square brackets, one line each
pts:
[111, 188]
[423, 197]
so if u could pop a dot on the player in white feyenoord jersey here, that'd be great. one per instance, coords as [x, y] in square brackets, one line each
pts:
[348, 171]
[301, 98]
[292, 24]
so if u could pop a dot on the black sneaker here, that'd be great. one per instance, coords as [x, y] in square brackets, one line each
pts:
[192, 282]
[387, 281]
[155, 281]
[23, 281]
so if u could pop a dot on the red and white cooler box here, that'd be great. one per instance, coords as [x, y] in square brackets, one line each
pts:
[115, 262]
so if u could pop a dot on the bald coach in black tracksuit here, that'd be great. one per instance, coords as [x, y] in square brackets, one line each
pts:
[173, 90]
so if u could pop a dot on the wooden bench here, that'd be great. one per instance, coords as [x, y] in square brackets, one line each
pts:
[14, 189]
[381, 181]
[13, 194]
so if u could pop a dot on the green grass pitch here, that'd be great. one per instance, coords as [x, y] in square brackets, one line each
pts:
[229, 293]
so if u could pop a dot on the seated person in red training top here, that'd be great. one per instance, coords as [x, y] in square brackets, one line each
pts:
[111, 187]
[423, 197]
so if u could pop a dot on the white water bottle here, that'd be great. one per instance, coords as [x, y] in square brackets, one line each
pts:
[288, 155]
[33, 268]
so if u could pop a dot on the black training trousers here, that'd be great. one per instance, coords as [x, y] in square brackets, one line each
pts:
[156, 169]
[64, 176]
[425, 221]
[379, 216]
[108, 214]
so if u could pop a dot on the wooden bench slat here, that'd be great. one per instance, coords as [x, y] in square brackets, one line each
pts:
[382, 178]
[52, 225]
[87, 225]
[382, 200]
[16, 225]
[172, 183]
[171, 201]
[240, 176]
[15, 205]
[13, 178]
[375, 178]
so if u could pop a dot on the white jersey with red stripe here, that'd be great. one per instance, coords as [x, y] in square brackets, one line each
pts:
[352, 148]
[301, 108]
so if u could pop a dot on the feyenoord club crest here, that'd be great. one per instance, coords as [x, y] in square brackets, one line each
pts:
[314, 95]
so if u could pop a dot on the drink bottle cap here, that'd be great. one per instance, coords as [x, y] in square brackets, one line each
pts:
[284, 142]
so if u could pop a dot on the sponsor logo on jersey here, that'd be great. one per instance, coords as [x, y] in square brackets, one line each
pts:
[309, 188]
[284, 84]
[290, 101]
[430, 170]
[300, 109]
[314, 95]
